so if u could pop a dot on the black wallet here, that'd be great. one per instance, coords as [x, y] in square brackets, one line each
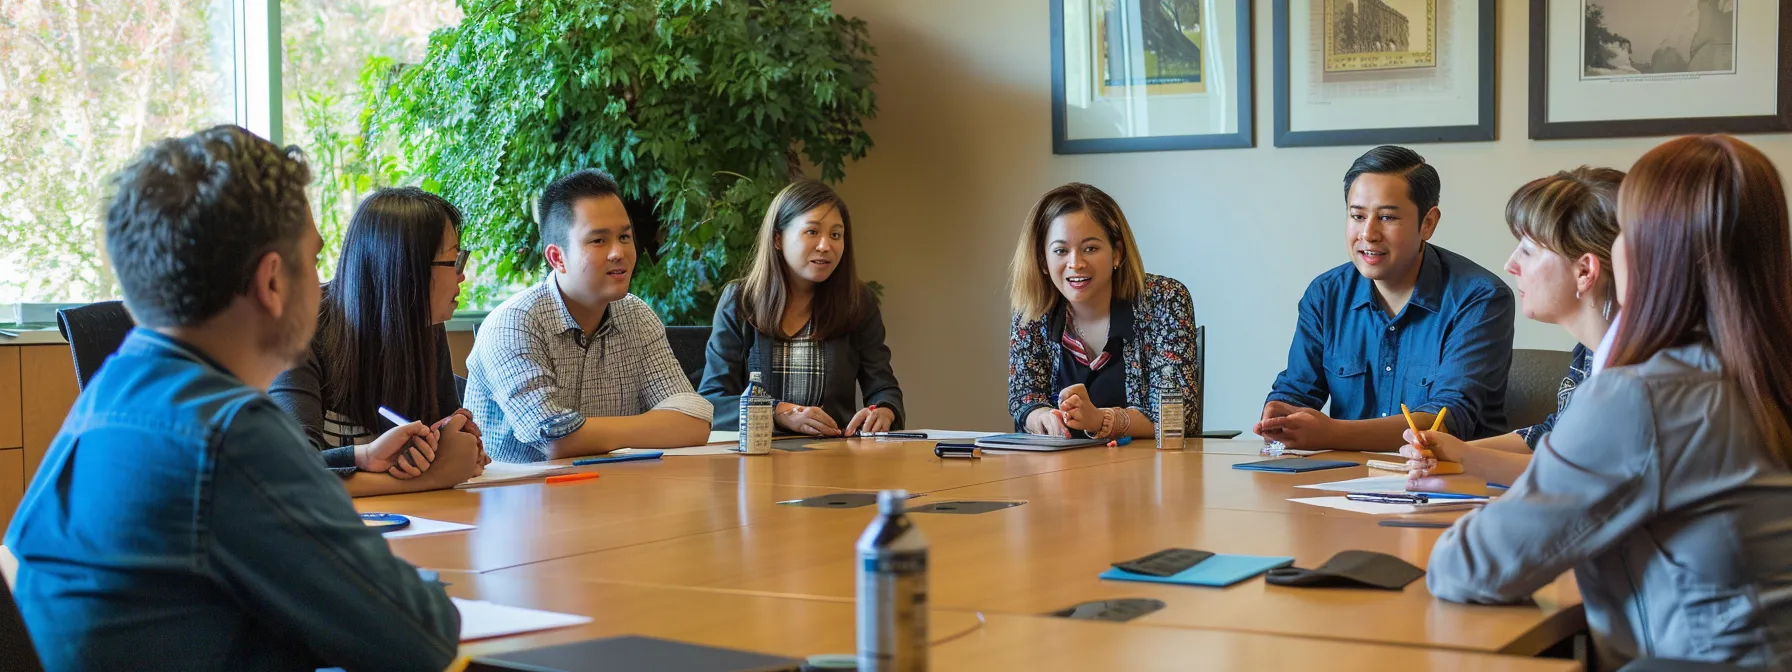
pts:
[1350, 569]
[1167, 562]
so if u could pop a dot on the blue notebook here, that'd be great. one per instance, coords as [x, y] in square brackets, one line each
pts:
[1294, 465]
[1218, 571]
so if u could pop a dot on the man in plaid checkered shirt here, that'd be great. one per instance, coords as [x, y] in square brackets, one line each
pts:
[576, 365]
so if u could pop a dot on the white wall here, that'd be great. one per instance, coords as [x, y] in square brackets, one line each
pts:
[964, 147]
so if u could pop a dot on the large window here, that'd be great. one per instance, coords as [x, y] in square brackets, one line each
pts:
[83, 85]
[325, 46]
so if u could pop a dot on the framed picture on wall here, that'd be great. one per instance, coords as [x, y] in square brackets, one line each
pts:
[1612, 68]
[1150, 75]
[1371, 72]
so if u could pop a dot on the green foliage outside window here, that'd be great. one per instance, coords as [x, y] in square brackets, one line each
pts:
[702, 109]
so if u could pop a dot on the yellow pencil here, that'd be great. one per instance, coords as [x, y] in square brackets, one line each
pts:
[1439, 422]
[1409, 423]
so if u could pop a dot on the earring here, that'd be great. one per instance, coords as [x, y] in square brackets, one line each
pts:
[1607, 312]
[1577, 295]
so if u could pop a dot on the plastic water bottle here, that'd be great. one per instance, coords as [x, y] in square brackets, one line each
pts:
[1169, 413]
[755, 417]
[892, 590]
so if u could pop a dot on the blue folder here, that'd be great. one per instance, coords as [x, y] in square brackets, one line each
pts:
[1294, 465]
[1218, 571]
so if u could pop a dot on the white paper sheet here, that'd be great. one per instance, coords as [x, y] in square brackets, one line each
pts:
[1303, 453]
[1378, 509]
[952, 435]
[724, 437]
[503, 472]
[480, 619]
[422, 526]
[1367, 484]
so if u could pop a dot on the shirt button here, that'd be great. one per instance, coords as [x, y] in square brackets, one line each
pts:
[1390, 368]
[1390, 328]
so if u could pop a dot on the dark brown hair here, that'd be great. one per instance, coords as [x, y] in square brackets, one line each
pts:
[1030, 292]
[1709, 260]
[840, 302]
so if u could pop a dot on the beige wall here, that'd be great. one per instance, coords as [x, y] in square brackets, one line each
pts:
[964, 146]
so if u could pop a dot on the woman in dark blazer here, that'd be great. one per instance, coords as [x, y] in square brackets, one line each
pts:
[804, 321]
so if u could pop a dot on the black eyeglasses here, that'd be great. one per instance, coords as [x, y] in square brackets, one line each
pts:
[459, 264]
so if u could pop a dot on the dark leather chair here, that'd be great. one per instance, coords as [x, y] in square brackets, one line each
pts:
[1665, 665]
[1531, 385]
[689, 346]
[16, 651]
[93, 332]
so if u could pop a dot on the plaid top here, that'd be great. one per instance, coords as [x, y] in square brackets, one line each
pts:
[798, 365]
[534, 376]
[1578, 369]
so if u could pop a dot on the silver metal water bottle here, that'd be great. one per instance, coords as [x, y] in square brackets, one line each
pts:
[1168, 399]
[755, 417]
[892, 590]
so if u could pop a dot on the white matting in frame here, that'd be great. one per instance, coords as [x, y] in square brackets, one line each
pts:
[1409, 93]
[1697, 75]
[1113, 90]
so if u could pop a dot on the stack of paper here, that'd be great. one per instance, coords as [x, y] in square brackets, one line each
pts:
[1379, 509]
[480, 619]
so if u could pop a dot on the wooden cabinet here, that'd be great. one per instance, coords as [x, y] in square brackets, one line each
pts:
[37, 387]
[47, 379]
[11, 433]
[12, 484]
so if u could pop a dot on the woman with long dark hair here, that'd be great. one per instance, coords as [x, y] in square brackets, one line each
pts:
[380, 343]
[1665, 487]
[802, 318]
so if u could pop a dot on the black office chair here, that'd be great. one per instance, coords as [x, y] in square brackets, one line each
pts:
[688, 346]
[1531, 385]
[1665, 665]
[93, 332]
[16, 651]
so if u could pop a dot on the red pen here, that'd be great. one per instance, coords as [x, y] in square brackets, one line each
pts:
[568, 478]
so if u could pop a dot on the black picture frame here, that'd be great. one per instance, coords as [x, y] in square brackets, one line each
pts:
[1244, 137]
[1544, 129]
[1482, 131]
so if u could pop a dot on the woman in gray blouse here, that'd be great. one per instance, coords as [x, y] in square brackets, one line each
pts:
[802, 318]
[1665, 486]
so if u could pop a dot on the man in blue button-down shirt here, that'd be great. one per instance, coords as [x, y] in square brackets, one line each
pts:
[180, 520]
[1404, 322]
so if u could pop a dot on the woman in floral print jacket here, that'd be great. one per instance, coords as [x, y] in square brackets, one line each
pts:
[1093, 334]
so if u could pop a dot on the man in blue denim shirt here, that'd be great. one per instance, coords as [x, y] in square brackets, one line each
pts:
[1405, 322]
[180, 520]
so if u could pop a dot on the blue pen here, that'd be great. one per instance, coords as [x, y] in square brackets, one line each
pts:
[1448, 495]
[1116, 443]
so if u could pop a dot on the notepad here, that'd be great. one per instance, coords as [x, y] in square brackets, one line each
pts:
[1295, 465]
[1218, 571]
[481, 620]
[1365, 484]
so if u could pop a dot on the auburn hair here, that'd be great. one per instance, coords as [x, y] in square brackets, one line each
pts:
[1709, 260]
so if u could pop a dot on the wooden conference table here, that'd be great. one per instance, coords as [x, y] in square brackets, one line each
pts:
[696, 548]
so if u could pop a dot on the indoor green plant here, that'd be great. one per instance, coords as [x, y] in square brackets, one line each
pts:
[702, 109]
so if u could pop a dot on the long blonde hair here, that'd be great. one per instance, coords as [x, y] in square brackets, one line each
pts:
[1030, 292]
[840, 301]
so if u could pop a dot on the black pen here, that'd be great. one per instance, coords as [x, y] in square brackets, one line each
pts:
[1387, 497]
[895, 435]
